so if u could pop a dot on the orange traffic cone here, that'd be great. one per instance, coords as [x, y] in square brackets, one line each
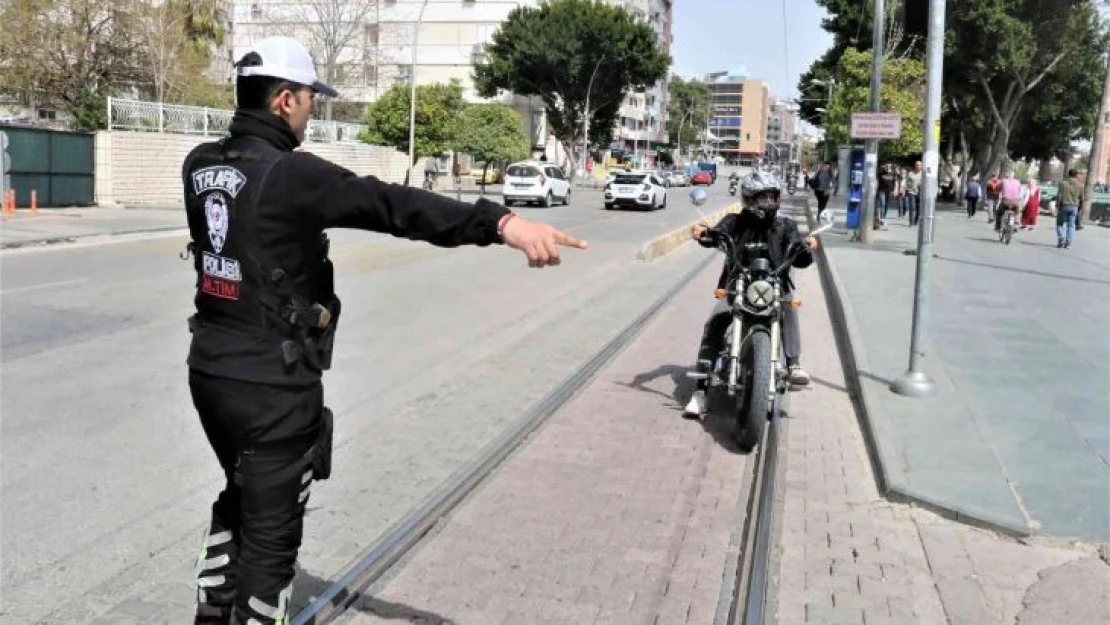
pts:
[34, 202]
[9, 203]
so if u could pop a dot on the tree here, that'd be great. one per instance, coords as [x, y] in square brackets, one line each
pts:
[67, 52]
[491, 133]
[1002, 50]
[438, 109]
[903, 92]
[687, 111]
[175, 37]
[568, 51]
[334, 28]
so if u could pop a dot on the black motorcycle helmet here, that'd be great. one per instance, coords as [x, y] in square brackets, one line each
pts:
[760, 192]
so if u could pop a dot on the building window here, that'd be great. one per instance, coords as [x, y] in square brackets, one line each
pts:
[256, 12]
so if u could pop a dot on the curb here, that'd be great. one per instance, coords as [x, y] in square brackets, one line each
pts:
[892, 487]
[670, 241]
[75, 238]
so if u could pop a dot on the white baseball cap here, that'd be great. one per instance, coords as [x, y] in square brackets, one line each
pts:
[286, 58]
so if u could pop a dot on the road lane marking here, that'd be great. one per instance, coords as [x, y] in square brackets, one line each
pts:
[48, 285]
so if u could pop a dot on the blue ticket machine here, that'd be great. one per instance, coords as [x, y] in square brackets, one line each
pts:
[855, 189]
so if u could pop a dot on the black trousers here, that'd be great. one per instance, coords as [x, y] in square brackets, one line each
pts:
[263, 437]
[713, 336]
[972, 206]
[822, 201]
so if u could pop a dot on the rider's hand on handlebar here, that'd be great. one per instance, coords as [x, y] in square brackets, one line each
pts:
[811, 244]
[698, 230]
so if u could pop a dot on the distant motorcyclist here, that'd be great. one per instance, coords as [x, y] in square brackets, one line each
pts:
[757, 222]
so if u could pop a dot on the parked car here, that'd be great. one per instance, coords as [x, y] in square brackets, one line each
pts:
[677, 179]
[636, 190]
[532, 181]
[701, 177]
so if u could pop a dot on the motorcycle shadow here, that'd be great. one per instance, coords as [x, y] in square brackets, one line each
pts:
[722, 429]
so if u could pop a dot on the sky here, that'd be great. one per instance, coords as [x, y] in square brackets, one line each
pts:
[717, 35]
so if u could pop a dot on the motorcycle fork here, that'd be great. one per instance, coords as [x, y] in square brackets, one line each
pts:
[734, 356]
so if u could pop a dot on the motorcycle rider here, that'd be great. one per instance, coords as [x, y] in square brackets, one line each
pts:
[757, 222]
[267, 312]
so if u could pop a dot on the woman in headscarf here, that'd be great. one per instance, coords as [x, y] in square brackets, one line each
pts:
[1032, 205]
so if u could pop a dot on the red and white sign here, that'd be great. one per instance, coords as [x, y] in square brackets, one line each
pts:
[876, 125]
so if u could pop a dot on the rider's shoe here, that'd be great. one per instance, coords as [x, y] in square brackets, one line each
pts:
[695, 408]
[798, 376]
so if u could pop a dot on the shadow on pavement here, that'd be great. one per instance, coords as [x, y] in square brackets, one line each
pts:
[1019, 269]
[827, 384]
[719, 427]
[307, 587]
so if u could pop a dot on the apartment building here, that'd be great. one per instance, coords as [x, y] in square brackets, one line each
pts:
[780, 131]
[451, 39]
[740, 111]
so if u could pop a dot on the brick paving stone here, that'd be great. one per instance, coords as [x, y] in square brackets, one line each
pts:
[616, 511]
[849, 556]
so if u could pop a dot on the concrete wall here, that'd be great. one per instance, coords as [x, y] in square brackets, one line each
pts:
[144, 168]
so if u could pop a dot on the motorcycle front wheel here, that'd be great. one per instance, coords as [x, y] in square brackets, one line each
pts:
[756, 368]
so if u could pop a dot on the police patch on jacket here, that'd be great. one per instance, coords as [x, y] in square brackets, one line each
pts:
[217, 186]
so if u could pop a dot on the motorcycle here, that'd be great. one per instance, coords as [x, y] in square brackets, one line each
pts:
[733, 184]
[749, 371]
[791, 184]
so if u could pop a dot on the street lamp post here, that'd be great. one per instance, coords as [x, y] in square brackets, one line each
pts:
[915, 382]
[412, 91]
[828, 106]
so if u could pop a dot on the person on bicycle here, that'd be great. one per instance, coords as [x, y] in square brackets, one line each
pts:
[760, 222]
[1009, 198]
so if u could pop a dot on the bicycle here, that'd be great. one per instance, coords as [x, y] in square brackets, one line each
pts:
[1009, 225]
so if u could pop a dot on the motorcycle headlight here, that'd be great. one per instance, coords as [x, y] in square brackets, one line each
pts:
[760, 294]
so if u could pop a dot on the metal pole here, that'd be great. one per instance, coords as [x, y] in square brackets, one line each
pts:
[871, 147]
[412, 93]
[915, 382]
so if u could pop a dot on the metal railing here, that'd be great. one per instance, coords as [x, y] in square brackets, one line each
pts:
[198, 120]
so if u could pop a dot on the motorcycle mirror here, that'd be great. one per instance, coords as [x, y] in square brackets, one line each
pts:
[698, 197]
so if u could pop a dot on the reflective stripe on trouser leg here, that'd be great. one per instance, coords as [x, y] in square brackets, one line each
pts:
[215, 574]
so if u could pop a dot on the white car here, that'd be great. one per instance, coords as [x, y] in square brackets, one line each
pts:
[532, 181]
[636, 190]
[677, 179]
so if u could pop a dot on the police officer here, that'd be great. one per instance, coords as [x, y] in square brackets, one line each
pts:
[266, 315]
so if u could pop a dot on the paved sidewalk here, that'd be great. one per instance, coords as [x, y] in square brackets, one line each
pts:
[1017, 437]
[616, 511]
[62, 225]
[846, 556]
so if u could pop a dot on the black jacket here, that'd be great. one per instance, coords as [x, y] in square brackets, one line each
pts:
[745, 227]
[300, 197]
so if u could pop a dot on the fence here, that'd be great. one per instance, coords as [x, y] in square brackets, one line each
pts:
[197, 120]
[58, 166]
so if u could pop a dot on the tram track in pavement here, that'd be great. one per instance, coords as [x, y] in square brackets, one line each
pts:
[745, 588]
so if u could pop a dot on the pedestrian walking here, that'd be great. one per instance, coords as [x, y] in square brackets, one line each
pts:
[824, 184]
[267, 312]
[913, 191]
[972, 195]
[1031, 204]
[1069, 199]
[994, 186]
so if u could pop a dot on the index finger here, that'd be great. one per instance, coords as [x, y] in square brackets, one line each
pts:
[567, 240]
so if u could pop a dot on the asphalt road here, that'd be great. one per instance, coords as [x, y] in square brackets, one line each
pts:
[107, 477]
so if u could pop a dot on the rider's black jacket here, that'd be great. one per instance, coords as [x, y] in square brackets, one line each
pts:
[257, 211]
[779, 235]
